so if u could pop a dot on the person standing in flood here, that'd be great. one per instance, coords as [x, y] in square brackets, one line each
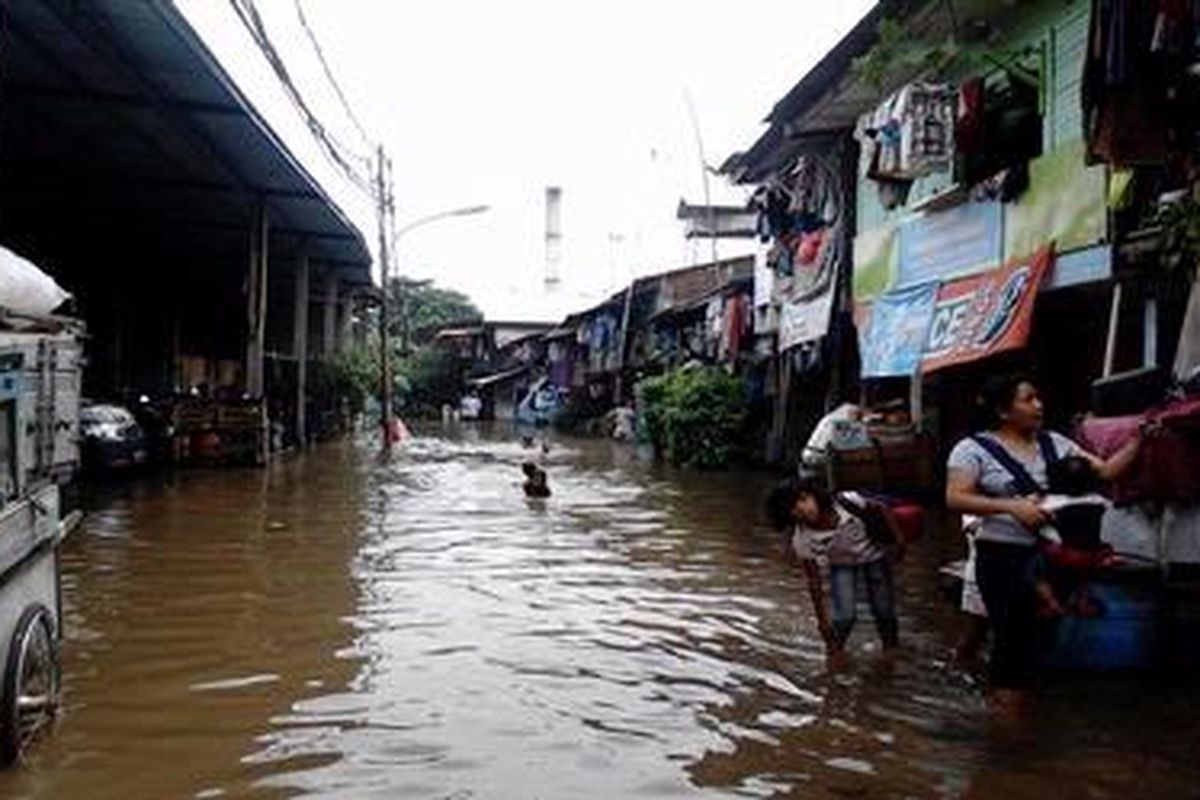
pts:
[999, 475]
[836, 548]
[536, 484]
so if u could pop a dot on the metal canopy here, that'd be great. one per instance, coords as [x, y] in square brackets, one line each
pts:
[118, 120]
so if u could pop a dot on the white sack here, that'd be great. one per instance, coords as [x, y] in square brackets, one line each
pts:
[25, 289]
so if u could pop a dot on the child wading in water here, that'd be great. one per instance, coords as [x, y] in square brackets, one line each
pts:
[838, 539]
[535, 480]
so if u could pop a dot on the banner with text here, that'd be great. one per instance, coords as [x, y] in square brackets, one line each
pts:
[804, 321]
[988, 314]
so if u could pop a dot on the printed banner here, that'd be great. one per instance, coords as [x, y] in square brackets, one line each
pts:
[979, 317]
[1064, 204]
[804, 322]
[939, 245]
[892, 341]
[875, 257]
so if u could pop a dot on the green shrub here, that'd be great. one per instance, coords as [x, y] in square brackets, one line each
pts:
[694, 417]
[431, 378]
[352, 375]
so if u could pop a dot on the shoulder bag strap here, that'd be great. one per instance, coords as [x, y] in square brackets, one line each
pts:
[1046, 445]
[1025, 482]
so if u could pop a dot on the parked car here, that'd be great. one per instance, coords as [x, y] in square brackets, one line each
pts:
[112, 438]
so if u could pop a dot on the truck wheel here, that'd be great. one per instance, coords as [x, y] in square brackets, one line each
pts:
[31, 684]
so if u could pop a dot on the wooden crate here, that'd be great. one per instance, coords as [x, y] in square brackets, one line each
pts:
[894, 466]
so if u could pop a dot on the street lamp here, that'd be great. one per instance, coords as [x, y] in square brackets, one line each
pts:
[386, 370]
[465, 211]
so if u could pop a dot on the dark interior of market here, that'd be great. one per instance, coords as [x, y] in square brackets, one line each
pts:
[134, 173]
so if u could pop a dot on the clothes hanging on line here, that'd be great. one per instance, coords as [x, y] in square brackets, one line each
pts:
[1138, 97]
[911, 134]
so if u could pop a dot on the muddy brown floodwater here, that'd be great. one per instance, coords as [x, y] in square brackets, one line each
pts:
[336, 627]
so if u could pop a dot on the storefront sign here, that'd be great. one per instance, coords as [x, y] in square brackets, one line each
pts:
[804, 322]
[893, 339]
[984, 315]
[959, 241]
[1083, 266]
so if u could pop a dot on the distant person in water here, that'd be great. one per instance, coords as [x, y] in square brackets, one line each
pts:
[535, 480]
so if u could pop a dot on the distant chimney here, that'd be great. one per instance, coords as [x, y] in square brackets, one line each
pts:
[553, 235]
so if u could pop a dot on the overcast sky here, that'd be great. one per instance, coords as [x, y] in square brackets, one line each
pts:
[490, 101]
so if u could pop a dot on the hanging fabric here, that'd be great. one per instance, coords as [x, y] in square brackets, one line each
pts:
[911, 134]
[1133, 73]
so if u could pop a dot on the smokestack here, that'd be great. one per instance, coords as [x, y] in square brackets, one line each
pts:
[553, 235]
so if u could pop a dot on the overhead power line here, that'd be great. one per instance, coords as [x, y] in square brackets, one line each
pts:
[336, 151]
[333, 81]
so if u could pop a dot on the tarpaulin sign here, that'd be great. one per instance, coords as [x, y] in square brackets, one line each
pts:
[804, 322]
[891, 343]
[942, 245]
[988, 314]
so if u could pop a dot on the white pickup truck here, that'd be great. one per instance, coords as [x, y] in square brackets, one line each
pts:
[40, 371]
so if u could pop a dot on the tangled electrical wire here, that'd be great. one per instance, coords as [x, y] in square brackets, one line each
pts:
[341, 155]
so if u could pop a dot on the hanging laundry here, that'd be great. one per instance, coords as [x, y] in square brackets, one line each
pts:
[736, 321]
[1134, 67]
[772, 203]
[911, 134]
[808, 247]
[812, 186]
[893, 194]
[969, 125]
[1006, 185]
[780, 258]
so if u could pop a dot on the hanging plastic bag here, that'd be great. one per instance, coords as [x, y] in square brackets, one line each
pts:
[25, 289]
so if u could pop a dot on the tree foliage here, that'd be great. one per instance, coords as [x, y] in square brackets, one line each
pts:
[352, 374]
[423, 378]
[430, 377]
[694, 417]
[417, 308]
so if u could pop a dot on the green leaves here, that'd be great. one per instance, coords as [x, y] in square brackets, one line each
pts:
[420, 308]
[1180, 223]
[694, 416]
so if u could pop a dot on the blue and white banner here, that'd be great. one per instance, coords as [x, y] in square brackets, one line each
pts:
[952, 243]
[893, 340]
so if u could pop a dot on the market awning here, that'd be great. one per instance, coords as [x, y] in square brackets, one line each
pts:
[119, 122]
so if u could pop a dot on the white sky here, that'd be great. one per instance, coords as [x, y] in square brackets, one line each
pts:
[490, 101]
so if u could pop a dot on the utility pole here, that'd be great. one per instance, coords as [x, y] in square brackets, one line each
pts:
[383, 208]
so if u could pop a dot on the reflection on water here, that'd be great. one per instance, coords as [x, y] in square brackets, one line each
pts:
[339, 627]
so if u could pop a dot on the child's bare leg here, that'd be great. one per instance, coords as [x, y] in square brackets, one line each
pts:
[970, 642]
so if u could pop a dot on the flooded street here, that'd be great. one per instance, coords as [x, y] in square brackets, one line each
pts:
[334, 627]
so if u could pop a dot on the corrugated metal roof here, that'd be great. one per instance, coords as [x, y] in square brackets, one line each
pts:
[124, 120]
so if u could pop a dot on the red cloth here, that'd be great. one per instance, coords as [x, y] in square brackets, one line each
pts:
[1106, 435]
[737, 319]
[969, 127]
[910, 519]
[1167, 469]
